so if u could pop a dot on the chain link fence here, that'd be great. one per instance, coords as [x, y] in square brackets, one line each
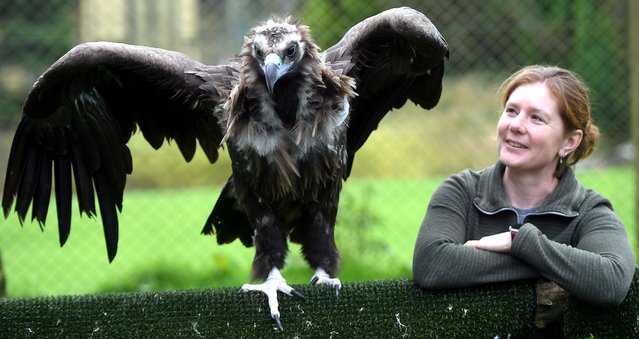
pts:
[412, 151]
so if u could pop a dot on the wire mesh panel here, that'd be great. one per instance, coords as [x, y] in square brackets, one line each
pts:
[167, 200]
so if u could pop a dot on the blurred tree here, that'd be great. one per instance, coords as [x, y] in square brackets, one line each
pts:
[598, 40]
[32, 34]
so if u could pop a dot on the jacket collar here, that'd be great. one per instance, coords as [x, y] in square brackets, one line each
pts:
[564, 200]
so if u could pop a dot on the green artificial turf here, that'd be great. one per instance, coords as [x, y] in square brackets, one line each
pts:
[373, 309]
[376, 309]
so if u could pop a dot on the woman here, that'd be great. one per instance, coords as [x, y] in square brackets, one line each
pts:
[527, 216]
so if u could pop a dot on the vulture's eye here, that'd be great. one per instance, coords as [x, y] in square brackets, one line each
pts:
[290, 51]
[258, 52]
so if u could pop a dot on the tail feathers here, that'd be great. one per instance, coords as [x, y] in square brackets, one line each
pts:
[227, 220]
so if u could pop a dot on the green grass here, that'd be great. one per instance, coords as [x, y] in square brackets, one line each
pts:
[161, 247]
[617, 184]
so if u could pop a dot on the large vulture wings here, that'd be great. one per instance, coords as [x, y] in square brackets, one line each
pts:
[82, 111]
[394, 56]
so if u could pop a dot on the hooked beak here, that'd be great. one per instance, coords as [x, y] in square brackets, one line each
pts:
[273, 70]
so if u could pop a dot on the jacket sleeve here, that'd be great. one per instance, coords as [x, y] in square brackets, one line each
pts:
[597, 270]
[441, 261]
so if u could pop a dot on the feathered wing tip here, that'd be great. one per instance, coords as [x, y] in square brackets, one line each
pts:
[82, 111]
[227, 220]
[395, 56]
[84, 149]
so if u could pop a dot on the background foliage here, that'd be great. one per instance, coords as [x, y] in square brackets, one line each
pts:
[168, 200]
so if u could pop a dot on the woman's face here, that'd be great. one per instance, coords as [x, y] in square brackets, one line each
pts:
[530, 132]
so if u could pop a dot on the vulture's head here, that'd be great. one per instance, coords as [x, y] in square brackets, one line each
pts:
[279, 47]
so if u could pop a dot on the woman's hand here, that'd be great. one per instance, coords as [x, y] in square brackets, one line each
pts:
[500, 242]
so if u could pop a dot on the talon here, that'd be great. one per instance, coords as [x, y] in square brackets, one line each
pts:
[322, 278]
[274, 283]
[297, 294]
[276, 317]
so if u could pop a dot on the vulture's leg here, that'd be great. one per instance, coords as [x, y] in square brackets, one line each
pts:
[322, 278]
[318, 239]
[273, 283]
[270, 252]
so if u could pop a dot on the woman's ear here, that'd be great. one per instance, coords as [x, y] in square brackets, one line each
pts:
[572, 141]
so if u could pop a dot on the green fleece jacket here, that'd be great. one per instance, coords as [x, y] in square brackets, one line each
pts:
[574, 239]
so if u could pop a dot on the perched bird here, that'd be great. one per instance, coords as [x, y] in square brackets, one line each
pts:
[291, 117]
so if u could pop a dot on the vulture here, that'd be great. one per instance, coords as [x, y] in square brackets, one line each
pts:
[290, 115]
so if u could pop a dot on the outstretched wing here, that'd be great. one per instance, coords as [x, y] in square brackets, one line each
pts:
[81, 113]
[394, 56]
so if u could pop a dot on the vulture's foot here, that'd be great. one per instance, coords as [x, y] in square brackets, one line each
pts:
[273, 283]
[321, 277]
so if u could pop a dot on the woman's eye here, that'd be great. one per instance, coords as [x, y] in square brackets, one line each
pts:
[510, 111]
[537, 118]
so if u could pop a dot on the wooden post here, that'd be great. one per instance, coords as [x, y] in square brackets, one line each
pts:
[552, 302]
[633, 60]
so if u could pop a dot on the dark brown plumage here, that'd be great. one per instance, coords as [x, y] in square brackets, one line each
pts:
[292, 119]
